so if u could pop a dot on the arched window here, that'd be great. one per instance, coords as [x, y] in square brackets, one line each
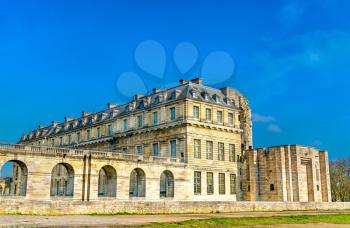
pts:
[137, 183]
[107, 182]
[14, 174]
[166, 184]
[62, 180]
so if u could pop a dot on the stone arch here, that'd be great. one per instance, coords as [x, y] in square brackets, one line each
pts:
[166, 184]
[62, 180]
[107, 182]
[14, 175]
[137, 187]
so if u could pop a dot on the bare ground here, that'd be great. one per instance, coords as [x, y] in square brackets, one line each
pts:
[135, 220]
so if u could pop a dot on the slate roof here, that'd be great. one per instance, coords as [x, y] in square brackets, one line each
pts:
[188, 90]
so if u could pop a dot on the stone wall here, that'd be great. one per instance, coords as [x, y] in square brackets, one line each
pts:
[52, 207]
[286, 173]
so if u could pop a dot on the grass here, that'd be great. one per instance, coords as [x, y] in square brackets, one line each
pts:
[253, 221]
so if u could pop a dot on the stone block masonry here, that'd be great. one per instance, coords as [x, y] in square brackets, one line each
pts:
[60, 207]
[184, 149]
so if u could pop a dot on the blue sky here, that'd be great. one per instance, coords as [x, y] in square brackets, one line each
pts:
[290, 58]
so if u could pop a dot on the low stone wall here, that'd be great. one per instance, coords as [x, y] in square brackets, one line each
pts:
[24, 206]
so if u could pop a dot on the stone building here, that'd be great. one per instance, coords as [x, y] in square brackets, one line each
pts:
[189, 142]
[286, 173]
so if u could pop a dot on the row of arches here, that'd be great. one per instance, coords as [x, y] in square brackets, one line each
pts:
[62, 181]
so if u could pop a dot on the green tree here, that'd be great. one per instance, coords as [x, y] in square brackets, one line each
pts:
[340, 179]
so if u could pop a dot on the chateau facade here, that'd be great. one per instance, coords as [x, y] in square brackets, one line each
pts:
[190, 142]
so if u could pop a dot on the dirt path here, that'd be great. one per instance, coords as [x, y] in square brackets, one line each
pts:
[134, 220]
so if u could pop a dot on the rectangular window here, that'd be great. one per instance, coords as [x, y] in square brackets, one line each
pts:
[139, 121]
[208, 114]
[232, 152]
[88, 134]
[210, 183]
[230, 119]
[233, 184]
[197, 148]
[98, 134]
[61, 141]
[125, 150]
[78, 137]
[173, 148]
[69, 139]
[155, 149]
[209, 150]
[219, 116]
[155, 118]
[197, 182]
[221, 183]
[52, 142]
[139, 150]
[126, 125]
[172, 113]
[110, 130]
[195, 112]
[221, 152]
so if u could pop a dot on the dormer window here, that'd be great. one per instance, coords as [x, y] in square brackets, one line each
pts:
[80, 123]
[172, 96]
[99, 117]
[141, 104]
[194, 94]
[156, 100]
[227, 101]
[71, 126]
[216, 98]
[206, 96]
[90, 120]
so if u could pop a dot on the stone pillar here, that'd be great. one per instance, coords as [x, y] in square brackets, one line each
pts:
[288, 165]
[295, 162]
[325, 178]
[78, 165]
[281, 174]
[39, 178]
[249, 177]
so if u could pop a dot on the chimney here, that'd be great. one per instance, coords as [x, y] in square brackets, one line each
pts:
[155, 90]
[198, 81]
[225, 91]
[55, 123]
[183, 82]
[85, 114]
[67, 119]
[111, 105]
[137, 96]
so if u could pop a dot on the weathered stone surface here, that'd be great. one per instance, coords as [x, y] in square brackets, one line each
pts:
[187, 143]
[287, 173]
[26, 206]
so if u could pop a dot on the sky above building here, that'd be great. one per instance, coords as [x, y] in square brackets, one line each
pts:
[290, 58]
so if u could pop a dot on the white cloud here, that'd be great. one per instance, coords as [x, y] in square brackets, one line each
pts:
[323, 54]
[262, 118]
[274, 128]
[317, 50]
